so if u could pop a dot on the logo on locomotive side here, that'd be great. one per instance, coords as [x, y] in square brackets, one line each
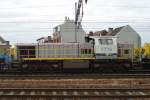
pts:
[106, 49]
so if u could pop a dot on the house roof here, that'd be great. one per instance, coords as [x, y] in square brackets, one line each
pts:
[2, 40]
[115, 31]
[107, 33]
[40, 38]
[100, 33]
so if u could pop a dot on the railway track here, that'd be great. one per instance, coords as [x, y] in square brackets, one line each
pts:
[73, 93]
[75, 76]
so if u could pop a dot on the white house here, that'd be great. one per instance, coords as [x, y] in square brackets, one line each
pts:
[126, 35]
[68, 32]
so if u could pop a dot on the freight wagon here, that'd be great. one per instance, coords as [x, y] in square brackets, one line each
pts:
[5, 58]
[5, 62]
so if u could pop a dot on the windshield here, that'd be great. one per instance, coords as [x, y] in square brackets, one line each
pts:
[105, 41]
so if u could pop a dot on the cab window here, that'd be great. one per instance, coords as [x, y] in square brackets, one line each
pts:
[109, 41]
[105, 41]
[102, 41]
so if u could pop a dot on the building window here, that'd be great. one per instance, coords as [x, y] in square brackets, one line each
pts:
[126, 51]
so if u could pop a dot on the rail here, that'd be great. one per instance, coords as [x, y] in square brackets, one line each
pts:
[75, 76]
[72, 93]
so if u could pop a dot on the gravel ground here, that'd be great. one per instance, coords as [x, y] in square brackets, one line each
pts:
[91, 83]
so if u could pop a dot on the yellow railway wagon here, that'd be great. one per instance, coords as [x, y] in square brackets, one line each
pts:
[4, 49]
[147, 50]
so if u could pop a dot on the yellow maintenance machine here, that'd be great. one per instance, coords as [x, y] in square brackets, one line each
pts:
[138, 52]
[147, 50]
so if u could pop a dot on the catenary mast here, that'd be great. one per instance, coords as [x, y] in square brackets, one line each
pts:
[78, 15]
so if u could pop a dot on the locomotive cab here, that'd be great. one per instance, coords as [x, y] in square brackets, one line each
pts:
[105, 47]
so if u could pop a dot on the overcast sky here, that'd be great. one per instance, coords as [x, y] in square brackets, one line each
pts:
[27, 20]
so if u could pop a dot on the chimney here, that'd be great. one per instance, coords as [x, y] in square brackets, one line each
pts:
[110, 30]
[7, 42]
[91, 33]
[49, 37]
[66, 18]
